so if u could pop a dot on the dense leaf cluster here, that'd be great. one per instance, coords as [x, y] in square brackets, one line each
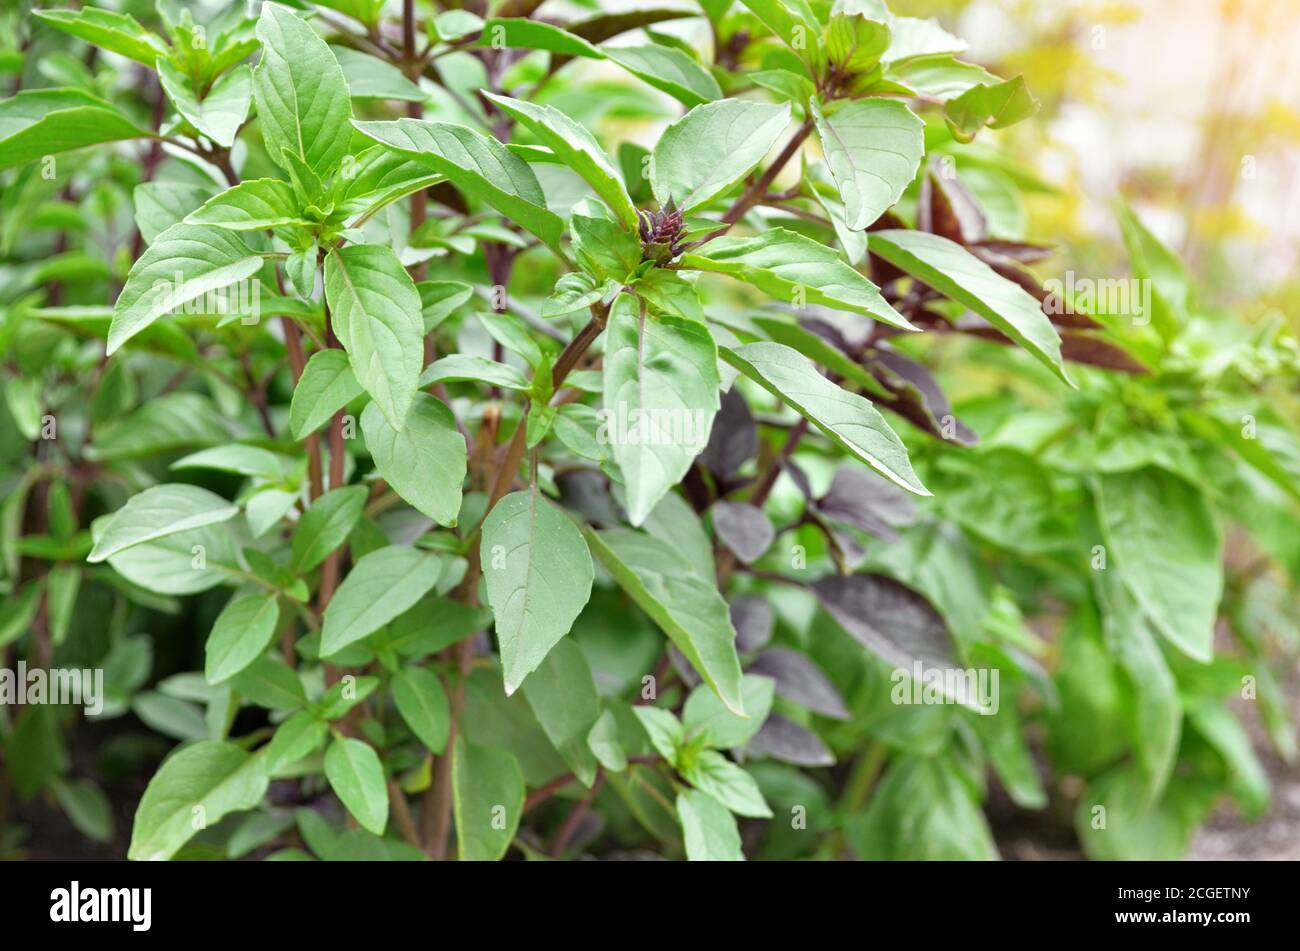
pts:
[533, 490]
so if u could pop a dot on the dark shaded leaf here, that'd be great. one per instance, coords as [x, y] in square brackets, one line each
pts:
[1061, 313]
[586, 492]
[801, 681]
[752, 617]
[917, 397]
[1021, 251]
[599, 28]
[889, 619]
[683, 667]
[787, 741]
[733, 439]
[1092, 349]
[848, 332]
[743, 528]
[868, 502]
[947, 208]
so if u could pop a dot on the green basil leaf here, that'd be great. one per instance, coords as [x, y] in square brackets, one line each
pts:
[668, 70]
[706, 719]
[664, 730]
[661, 393]
[994, 106]
[922, 808]
[795, 25]
[538, 573]
[873, 148]
[302, 96]
[956, 273]
[242, 632]
[192, 790]
[108, 29]
[488, 800]
[184, 263]
[603, 739]
[795, 269]
[252, 206]
[423, 704]
[240, 459]
[522, 33]
[221, 110]
[375, 311]
[271, 684]
[712, 147]
[686, 607]
[158, 512]
[604, 248]
[159, 205]
[941, 76]
[458, 367]
[297, 737]
[370, 77]
[711, 772]
[380, 586]
[357, 778]
[1167, 548]
[326, 525]
[41, 122]
[708, 828]
[425, 462]
[327, 385]
[562, 695]
[476, 164]
[855, 42]
[439, 300]
[577, 148]
[847, 419]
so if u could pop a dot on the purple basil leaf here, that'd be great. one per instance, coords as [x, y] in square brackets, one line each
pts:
[846, 551]
[752, 617]
[743, 528]
[888, 618]
[1085, 348]
[586, 492]
[733, 439]
[920, 401]
[948, 209]
[683, 667]
[799, 478]
[1020, 251]
[843, 330]
[785, 740]
[800, 681]
[866, 501]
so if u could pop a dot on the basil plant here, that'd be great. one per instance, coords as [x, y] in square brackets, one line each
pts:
[516, 430]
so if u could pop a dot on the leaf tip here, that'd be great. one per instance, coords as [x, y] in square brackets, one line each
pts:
[735, 704]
